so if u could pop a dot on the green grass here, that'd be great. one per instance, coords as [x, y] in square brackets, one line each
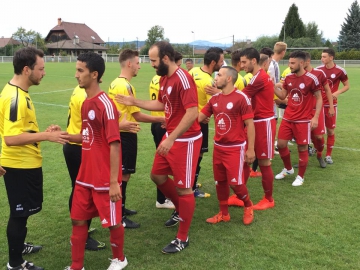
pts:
[315, 226]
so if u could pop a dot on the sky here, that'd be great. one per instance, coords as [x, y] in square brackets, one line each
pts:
[183, 21]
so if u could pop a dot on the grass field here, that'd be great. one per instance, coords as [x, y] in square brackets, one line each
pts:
[315, 226]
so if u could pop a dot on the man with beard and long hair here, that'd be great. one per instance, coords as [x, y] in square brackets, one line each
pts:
[21, 153]
[129, 63]
[299, 119]
[179, 150]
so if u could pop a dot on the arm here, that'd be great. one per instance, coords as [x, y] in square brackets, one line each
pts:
[126, 125]
[25, 138]
[188, 119]
[2, 171]
[150, 105]
[250, 152]
[279, 91]
[330, 99]
[114, 192]
[314, 120]
[145, 118]
[211, 90]
[342, 90]
[203, 118]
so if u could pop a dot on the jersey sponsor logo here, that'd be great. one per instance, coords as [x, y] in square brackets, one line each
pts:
[91, 114]
[223, 123]
[104, 221]
[296, 97]
[302, 85]
[87, 135]
[167, 107]
[180, 182]
[169, 89]
[229, 105]
[233, 180]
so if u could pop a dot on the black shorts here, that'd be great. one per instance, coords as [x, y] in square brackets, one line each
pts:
[158, 132]
[72, 155]
[129, 152]
[205, 141]
[24, 189]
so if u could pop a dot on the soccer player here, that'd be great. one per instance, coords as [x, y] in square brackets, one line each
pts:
[158, 132]
[334, 75]
[179, 150]
[300, 87]
[72, 151]
[129, 63]
[232, 110]
[260, 90]
[317, 134]
[21, 155]
[213, 60]
[97, 190]
[189, 63]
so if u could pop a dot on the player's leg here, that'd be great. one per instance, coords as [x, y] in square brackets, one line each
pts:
[285, 134]
[317, 137]
[330, 122]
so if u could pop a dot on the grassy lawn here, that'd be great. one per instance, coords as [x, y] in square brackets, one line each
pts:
[315, 226]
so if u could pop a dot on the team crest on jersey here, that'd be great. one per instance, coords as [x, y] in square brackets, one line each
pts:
[302, 85]
[169, 89]
[223, 123]
[333, 76]
[87, 135]
[296, 97]
[91, 114]
[229, 105]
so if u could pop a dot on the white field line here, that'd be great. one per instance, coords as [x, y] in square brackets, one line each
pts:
[50, 92]
[337, 147]
[50, 104]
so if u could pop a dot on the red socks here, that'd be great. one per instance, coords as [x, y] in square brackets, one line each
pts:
[222, 192]
[303, 161]
[242, 193]
[285, 156]
[267, 181]
[117, 242]
[169, 190]
[186, 211]
[78, 241]
[330, 144]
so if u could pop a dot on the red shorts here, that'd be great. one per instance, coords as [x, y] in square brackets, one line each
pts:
[330, 122]
[228, 163]
[180, 162]
[88, 203]
[320, 130]
[265, 130]
[300, 131]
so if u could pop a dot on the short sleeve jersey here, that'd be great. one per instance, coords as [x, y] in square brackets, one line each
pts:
[74, 115]
[17, 116]
[99, 128]
[123, 87]
[274, 71]
[334, 75]
[300, 96]
[242, 82]
[229, 112]
[202, 79]
[261, 91]
[154, 92]
[178, 93]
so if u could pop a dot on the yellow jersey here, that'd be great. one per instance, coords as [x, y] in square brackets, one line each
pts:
[286, 72]
[123, 87]
[74, 115]
[202, 79]
[242, 82]
[17, 116]
[154, 93]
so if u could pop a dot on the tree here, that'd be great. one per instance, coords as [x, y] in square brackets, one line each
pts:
[349, 36]
[293, 25]
[155, 34]
[312, 32]
[25, 37]
[184, 49]
[265, 41]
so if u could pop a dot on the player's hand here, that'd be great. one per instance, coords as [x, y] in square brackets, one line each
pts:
[211, 90]
[115, 192]
[52, 128]
[126, 100]
[129, 126]
[250, 156]
[331, 112]
[335, 95]
[2, 171]
[165, 147]
[61, 137]
[313, 123]
[206, 120]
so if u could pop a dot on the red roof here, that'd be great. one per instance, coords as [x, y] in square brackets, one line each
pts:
[8, 41]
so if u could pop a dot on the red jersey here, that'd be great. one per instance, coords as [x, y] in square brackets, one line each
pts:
[300, 96]
[333, 75]
[178, 93]
[100, 127]
[229, 112]
[261, 91]
[322, 80]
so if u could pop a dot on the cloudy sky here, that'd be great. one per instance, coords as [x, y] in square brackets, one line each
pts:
[215, 21]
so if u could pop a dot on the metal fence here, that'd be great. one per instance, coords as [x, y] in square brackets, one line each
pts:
[145, 59]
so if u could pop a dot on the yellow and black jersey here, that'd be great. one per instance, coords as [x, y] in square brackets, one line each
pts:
[123, 87]
[17, 115]
[154, 93]
[74, 116]
[242, 82]
[202, 79]
[286, 72]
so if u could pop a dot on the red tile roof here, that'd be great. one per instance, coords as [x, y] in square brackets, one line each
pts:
[8, 41]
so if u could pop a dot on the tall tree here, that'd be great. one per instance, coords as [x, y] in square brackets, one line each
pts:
[349, 37]
[293, 25]
[312, 32]
[155, 34]
[25, 37]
